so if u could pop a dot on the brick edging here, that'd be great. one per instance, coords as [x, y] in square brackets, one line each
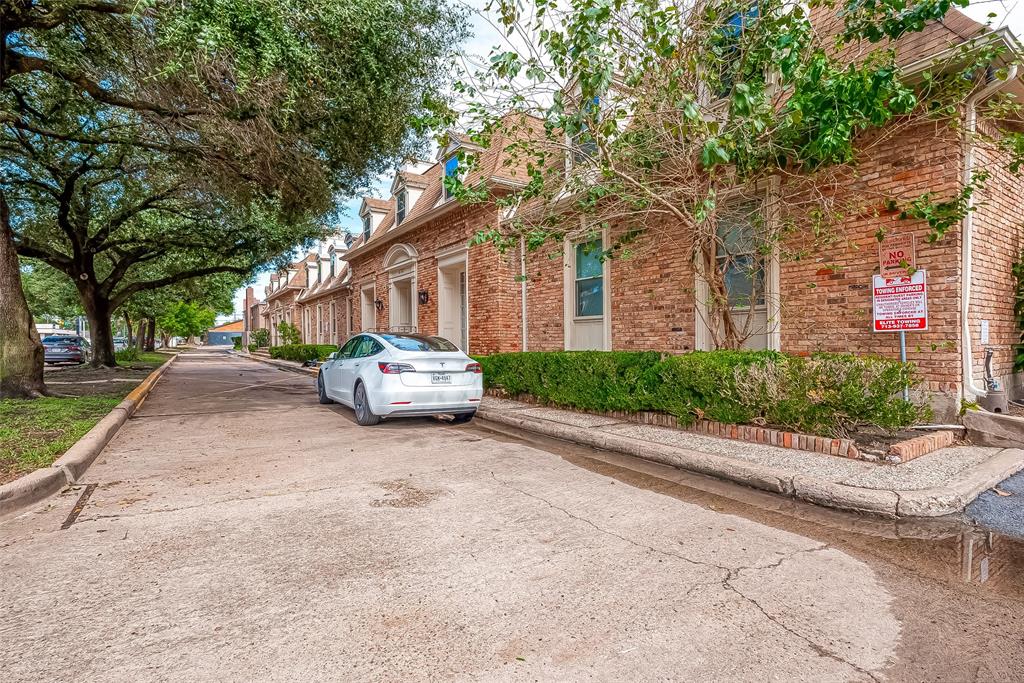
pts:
[899, 452]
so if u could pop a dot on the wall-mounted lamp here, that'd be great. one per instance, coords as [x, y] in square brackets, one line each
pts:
[424, 296]
[379, 305]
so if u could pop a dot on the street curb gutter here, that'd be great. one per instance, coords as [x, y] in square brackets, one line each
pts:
[283, 364]
[35, 486]
[933, 502]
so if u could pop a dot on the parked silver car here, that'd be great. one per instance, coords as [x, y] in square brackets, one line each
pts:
[66, 349]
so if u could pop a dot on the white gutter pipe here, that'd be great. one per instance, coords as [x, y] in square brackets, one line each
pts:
[969, 389]
[522, 287]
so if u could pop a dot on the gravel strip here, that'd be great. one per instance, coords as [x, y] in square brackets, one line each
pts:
[934, 469]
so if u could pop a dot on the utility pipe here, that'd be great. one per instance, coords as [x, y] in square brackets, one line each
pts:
[522, 288]
[969, 389]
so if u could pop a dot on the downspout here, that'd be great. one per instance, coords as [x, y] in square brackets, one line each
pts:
[969, 389]
[522, 288]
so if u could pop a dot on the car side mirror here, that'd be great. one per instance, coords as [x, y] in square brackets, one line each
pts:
[332, 356]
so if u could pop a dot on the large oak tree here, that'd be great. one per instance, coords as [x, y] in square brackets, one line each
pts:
[258, 105]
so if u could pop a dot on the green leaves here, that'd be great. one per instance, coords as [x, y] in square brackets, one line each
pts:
[713, 153]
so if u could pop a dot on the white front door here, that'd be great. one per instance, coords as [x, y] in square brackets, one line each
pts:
[401, 310]
[367, 310]
[452, 306]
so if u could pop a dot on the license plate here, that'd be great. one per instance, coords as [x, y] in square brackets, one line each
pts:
[440, 378]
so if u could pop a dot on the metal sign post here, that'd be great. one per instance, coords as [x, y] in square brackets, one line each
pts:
[903, 359]
[900, 304]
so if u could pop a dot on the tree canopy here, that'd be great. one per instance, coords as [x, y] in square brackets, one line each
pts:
[147, 142]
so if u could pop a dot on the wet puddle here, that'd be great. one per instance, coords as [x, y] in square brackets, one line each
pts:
[944, 548]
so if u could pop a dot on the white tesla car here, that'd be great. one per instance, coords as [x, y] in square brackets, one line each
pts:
[401, 375]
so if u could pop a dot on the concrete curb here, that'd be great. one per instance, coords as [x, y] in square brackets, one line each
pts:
[934, 502]
[284, 365]
[35, 486]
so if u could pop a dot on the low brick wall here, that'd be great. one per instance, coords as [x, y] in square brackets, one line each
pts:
[900, 452]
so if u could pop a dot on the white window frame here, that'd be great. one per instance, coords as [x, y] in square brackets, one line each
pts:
[703, 340]
[569, 293]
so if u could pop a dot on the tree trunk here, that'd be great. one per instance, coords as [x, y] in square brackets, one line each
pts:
[140, 337]
[151, 336]
[130, 341]
[97, 309]
[21, 352]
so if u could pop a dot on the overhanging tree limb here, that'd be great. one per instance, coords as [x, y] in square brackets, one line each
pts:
[136, 287]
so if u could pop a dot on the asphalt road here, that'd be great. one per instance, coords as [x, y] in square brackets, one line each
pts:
[1001, 508]
[238, 530]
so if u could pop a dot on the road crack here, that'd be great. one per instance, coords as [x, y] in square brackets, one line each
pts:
[729, 574]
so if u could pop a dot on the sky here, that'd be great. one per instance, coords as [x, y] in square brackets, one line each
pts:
[484, 36]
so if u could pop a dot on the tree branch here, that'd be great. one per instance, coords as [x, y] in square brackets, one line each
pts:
[126, 292]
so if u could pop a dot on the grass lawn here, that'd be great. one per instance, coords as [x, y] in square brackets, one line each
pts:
[35, 433]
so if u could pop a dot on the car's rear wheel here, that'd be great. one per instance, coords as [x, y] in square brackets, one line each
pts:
[463, 418]
[324, 398]
[361, 402]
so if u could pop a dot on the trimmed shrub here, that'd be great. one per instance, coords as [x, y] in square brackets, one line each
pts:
[827, 394]
[253, 348]
[301, 353]
[128, 355]
[261, 338]
[236, 342]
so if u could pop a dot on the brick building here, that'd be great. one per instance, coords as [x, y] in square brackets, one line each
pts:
[824, 303]
[413, 267]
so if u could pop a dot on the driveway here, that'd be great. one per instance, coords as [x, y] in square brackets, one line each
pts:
[238, 530]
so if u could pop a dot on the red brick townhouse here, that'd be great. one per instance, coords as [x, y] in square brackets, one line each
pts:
[824, 303]
[312, 294]
[412, 268]
[325, 306]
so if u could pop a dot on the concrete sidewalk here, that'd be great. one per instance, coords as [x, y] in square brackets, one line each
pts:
[940, 483]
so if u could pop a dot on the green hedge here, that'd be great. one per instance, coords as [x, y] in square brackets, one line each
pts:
[827, 394]
[302, 352]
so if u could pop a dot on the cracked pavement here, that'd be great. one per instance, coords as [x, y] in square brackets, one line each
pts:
[241, 531]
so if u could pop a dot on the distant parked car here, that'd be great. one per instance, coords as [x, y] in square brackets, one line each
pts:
[66, 349]
[120, 343]
[383, 375]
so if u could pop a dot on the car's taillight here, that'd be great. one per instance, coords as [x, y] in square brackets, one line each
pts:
[74, 348]
[395, 368]
[475, 367]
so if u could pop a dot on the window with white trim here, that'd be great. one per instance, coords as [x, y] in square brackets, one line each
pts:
[366, 227]
[589, 280]
[451, 170]
[401, 198]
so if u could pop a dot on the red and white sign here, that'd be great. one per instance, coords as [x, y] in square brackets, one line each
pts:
[900, 303]
[896, 255]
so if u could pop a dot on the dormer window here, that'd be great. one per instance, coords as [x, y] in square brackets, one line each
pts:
[726, 47]
[334, 258]
[400, 200]
[366, 226]
[451, 170]
[584, 146]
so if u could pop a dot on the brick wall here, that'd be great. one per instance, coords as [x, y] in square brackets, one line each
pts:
[830, 310]
[492, 290]
[997, 245]
[825, 297]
